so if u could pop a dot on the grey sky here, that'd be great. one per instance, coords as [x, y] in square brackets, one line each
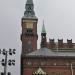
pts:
[59, 17]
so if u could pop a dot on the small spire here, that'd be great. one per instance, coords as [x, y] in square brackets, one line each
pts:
[43, 28]
[43, 37]
[29, 12]
[29, 2]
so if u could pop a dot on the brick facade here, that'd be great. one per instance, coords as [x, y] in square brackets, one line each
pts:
[60, 44]
[29, 36]
[60, 59]
[52, 66]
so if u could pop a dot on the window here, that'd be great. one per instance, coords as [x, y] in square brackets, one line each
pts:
[29, 30]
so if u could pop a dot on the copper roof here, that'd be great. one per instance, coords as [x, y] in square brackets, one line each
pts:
[45, 52]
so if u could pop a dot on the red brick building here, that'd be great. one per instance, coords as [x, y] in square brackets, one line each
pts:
[53, 58]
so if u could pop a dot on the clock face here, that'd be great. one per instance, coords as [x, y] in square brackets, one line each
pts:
[29, 25]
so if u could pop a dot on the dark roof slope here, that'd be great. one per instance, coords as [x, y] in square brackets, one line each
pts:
[45, 52]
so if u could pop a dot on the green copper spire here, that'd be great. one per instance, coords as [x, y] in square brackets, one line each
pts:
[29, 12]
[43, 28]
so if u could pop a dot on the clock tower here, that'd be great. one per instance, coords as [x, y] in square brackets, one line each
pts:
[29, 29]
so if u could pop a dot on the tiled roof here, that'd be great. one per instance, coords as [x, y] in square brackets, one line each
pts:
[43, 52]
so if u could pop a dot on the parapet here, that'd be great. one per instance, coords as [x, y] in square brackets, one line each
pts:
[60, 44]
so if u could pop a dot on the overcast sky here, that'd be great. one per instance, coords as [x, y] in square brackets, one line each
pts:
[58, 16]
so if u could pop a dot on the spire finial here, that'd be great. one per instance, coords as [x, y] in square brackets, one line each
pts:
[29, 12]
[43, 28]
[43, 22]
[43, 36]
[29, 2]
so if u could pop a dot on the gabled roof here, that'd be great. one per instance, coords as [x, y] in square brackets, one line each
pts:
[45, 52]
[39, 71]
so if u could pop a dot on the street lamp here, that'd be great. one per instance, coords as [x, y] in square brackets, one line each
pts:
[4, 61]
[9, 73]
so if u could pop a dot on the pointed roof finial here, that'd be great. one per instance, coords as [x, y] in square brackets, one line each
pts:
[43, 28]
[29, 2]
[29, 8]
[29, 12]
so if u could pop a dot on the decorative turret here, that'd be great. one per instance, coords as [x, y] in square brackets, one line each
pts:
[29, 12]
[43, 36]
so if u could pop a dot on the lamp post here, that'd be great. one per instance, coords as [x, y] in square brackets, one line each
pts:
[4, 61]
[72, 68]
[5, 67]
